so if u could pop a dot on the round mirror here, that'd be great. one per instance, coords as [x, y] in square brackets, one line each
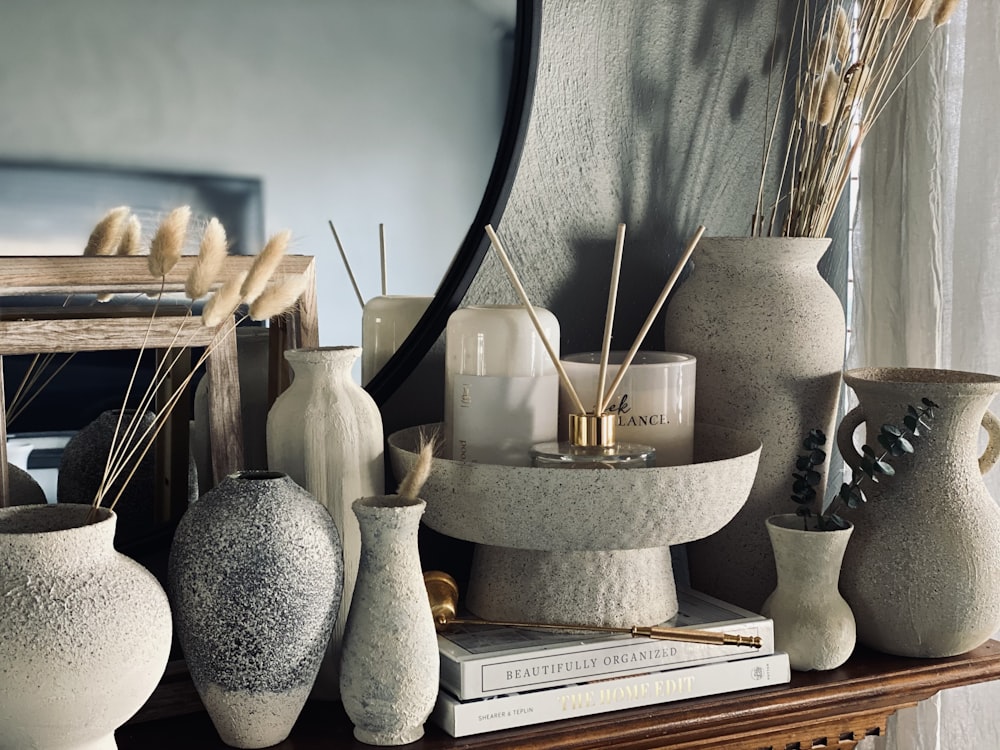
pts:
[286, 114]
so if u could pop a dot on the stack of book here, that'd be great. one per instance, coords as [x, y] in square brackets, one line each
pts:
[499, 677]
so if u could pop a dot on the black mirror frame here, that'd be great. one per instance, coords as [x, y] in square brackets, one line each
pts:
[470, 253]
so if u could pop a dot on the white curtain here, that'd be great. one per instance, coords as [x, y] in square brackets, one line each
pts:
[927, 271]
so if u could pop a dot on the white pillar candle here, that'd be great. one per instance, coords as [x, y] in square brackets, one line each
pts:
[385, 323]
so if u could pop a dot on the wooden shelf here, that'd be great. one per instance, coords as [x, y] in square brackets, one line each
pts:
[833, 709]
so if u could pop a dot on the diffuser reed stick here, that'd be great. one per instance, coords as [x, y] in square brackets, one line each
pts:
[382, 259]
[667, 288]
[609, 320]
[347, 264]
[519, 288]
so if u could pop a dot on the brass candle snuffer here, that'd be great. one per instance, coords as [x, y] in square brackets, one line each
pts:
[442, 591]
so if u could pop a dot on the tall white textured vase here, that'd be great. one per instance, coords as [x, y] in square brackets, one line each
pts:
[768, 333]
[84, 631]
[391, 667]
[325, 432]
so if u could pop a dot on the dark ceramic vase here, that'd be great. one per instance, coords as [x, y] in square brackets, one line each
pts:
[81, 470]
[255, 579]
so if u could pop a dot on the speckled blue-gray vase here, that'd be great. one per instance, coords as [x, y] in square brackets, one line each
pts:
[255, 576]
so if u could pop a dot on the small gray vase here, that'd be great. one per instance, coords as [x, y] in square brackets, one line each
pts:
[390, 667]
[256, 574]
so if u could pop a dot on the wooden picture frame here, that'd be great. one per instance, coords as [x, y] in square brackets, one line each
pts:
[31, 330]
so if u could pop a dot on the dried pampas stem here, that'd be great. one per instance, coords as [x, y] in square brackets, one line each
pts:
[944, 11]
[107, 233]
[828, 98]
[168, 242]
[264, 265]
[211, 257]
[224, 302]
[277, 298]
[919, 9]
[417, 476]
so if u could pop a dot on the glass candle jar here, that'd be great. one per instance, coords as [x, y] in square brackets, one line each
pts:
[385, 323]
[501, 388]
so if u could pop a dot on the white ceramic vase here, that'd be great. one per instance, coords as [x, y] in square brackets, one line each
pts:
[923, 570]
[389, 676]
[768, 333]
[325, 432]
[812, 622]
[84, 631]
[255, 579]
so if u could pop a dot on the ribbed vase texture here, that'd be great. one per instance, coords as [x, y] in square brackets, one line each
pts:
[768, 333]
[922, 572]
[389, 676]
[84, 631]
[813, 623]
[325, 432]
[255, 576]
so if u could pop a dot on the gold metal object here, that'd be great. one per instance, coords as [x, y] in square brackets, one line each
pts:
[592, 430]
[442, 591]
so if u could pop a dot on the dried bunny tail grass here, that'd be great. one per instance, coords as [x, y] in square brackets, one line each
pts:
[417, 476]
[168, 242]
[857, 83]
[107, 233]
[264, 265]
[827, 103]
[919, 9]
[277, 298]
[944, 11]
[211, 257]
[224, 302]
[820, 56]
[889, 9]
[131, 242]
[842, 35]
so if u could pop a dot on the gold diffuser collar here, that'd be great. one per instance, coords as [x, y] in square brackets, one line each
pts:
[592, 430]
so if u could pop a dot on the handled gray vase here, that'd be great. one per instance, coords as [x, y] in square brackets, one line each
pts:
[390, 667]
[255, 577]
[768, 333]
[922, 572]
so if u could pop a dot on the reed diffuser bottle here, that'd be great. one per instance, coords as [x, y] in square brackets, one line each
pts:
[592, 445]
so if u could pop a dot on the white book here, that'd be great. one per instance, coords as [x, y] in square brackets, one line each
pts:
[480, 661]
[461, 718]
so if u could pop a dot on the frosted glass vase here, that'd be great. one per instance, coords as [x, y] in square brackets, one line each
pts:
[325, 432]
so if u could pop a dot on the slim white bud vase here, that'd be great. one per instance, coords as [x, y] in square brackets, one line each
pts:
[390, 669]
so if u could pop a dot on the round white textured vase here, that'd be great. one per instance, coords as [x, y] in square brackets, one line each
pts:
[325, 432]
[813, 623]
[389, 677]
[84, 631]
[768, 333]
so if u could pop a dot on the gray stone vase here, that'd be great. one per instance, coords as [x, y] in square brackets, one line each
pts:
[768, 333]
[922, 572]
[390, 668]
[255, 578]
[813, 623]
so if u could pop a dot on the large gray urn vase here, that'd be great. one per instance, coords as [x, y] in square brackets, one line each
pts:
[768, 332]
[255, 577]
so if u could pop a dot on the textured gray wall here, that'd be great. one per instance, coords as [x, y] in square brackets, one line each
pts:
[647, 112]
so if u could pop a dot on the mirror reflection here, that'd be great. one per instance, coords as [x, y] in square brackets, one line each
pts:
[363, 113]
